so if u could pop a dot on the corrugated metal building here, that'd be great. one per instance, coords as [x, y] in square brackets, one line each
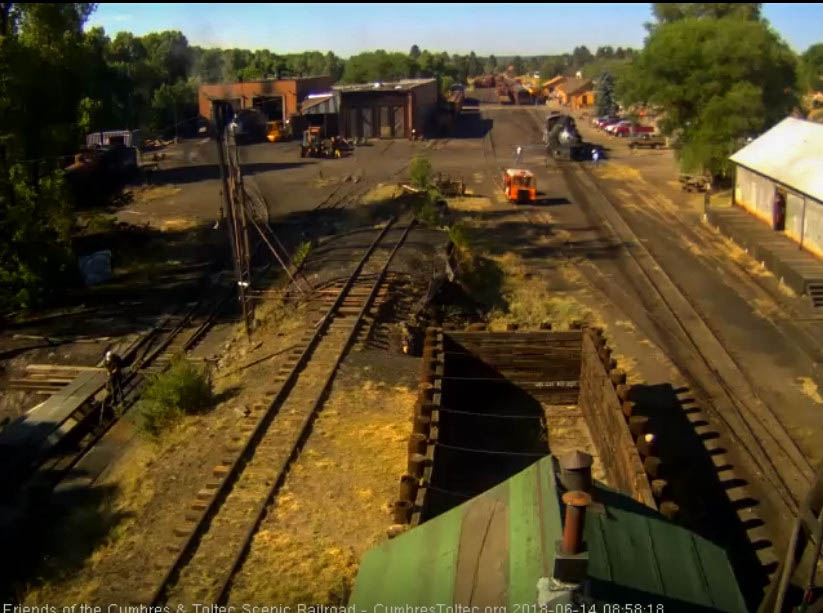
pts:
[387, 109]
[779, 179]
[497, 548]
[278, 99]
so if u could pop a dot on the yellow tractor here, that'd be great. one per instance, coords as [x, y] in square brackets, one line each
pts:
[275, 131]
[316, 146]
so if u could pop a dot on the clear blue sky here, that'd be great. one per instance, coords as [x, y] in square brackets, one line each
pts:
[346, 29]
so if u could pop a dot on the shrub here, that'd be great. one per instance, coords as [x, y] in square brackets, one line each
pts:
[183, 389]
[460, 235]
[420, 171]
[301, 253]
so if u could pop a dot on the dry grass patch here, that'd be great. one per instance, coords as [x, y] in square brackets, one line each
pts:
[469, 203]
[618, 171]
[531, 302]
[380, 193]
[809, 389]
[335, 503]
[154, 192]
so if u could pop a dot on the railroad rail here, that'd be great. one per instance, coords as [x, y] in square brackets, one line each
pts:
[220, 523]
[148, 355]
[749, 420]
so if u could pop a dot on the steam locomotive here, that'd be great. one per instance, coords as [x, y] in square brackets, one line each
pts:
[562, 140]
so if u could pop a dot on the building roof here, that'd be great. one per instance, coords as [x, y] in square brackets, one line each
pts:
[791, 153]
[401, 85]
[493, 549]
[320, 105]
[554, 81]
[574, 85]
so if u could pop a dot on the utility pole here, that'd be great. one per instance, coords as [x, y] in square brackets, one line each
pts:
[231, 183]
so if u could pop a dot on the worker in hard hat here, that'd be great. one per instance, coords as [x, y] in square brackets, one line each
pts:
[114, 369]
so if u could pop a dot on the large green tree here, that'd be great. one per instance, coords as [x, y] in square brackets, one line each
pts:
[811, 69]
[669, 12]
[42, 78]
[716, 81]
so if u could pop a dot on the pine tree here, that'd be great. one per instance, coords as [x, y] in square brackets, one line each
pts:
[604, 95]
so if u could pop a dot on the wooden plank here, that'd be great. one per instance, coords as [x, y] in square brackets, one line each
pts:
[601, 408]
[46, 367]
[42, 420]
[514, 335]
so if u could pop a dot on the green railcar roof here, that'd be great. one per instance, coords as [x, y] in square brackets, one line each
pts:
[493, 549]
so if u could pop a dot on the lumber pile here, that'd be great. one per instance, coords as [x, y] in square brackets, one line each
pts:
[46, 379]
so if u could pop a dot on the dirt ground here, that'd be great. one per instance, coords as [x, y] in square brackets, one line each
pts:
[534, 264]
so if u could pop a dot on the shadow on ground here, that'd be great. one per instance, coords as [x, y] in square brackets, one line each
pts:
[471, 124]
[195, 174]
[52, 537]
[696, 486]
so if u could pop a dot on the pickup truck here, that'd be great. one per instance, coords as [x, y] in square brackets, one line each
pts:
[647, 140]
[627, 129]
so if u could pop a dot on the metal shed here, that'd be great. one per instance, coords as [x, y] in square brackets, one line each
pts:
[785, 160]
[493, 550]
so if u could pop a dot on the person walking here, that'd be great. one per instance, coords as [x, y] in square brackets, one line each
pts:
[519, 157]
[595, 155]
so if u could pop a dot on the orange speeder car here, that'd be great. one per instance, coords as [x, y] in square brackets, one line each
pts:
[520, 185]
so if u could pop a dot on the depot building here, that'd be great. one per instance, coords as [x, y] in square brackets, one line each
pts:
[778, 179]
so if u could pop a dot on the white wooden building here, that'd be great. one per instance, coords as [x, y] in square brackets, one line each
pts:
[785, 161]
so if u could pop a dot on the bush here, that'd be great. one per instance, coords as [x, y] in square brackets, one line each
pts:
[420, 172]
[301, 253]
[182, 390]
[460, 235]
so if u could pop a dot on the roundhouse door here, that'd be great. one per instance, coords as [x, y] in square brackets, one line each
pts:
[399, 122]
[366, 118]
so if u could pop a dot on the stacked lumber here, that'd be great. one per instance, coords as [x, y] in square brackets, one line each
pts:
[46, 379]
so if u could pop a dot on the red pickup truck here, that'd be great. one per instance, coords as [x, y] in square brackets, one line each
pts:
[631, 130]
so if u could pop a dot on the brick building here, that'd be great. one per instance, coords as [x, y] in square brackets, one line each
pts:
[278, 99]
[388, 109]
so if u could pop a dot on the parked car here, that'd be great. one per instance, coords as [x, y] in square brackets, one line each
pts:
[650, 141]
[629, 129]
[607, 126]
[602, 123]
[610, 128]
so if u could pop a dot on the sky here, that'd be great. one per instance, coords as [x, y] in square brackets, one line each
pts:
[347, 29]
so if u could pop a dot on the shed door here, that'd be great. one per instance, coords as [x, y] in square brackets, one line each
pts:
[351, 127]
[366, 119]
[385, 122]
[794, 215]
[399, 122]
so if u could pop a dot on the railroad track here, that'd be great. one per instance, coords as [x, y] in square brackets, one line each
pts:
[750, 428]
[217, 529]
[749, 420]
[151, 354]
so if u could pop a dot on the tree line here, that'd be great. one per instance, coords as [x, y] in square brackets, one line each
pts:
[718, 74]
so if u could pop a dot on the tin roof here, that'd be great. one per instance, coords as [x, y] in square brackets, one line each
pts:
[493, 549]
[401, 85]
[320, 105]
[791, 153]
